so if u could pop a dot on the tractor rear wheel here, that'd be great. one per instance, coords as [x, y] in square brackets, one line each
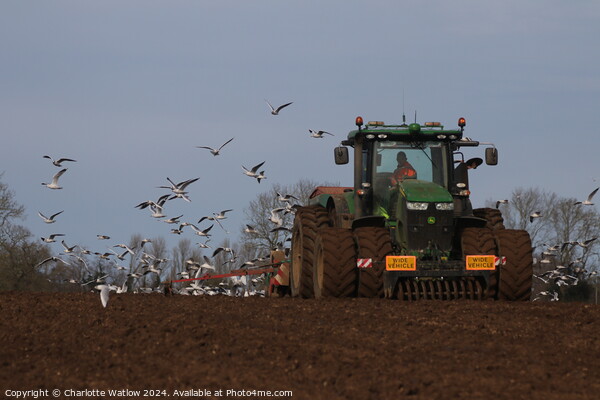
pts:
[493, 217]
[334, 272]
[306, 223]
[516, 274]
[374, 243]
[481, 241]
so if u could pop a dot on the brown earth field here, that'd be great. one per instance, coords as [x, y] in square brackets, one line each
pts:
[195, 346]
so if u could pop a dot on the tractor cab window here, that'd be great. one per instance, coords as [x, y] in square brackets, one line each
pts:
[397, 161]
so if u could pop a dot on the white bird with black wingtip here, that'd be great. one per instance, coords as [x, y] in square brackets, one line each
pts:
[275, 111]
[588, 201]
[49, 220]
[59, 162]
[318, 134]
[54, 184]
[252, 173]
[215, 152]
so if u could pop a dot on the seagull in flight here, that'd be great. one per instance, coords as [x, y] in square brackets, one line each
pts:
[225, 249]
[534, 215]
[173, 220]
[179, 188]
[275, 111]
[285, 197]
[318, 134]
[215, 152]
[221, 214]
[250, 229]
[49, 220]
[55, 259]
[155, 206]
[124, 246]
[261, 175]
[275, 217]
[505, 201]
[588, 201]
[104, 294]
[194, 265]
[216, 220]
[584, 244]
[67, 248]
[59, 162]
[201, 232]
[105, 256]
[54, 183]
[252, 172]
[50, 239]
[178, 231]
[153, 268]
[102, 237]
[120, 256]
[204, 245]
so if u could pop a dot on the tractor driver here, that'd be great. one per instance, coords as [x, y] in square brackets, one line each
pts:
[404, 169]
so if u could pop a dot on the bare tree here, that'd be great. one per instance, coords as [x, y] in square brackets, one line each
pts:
[522, 204]
[9, 209]
[267, 235]
[19, 254]
[158, 256]
[180, 254]
[559, 235]
[19, 259]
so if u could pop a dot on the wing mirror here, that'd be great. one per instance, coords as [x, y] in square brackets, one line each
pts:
[341, 155]
[491, 156]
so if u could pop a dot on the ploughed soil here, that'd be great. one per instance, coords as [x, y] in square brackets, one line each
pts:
[317, 349]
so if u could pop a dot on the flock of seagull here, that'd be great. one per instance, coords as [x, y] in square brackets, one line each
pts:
[561, 275]
[143, 263]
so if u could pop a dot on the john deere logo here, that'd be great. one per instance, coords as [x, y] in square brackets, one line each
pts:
[431, 220]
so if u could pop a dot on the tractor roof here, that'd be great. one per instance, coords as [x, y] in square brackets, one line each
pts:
[428, 131]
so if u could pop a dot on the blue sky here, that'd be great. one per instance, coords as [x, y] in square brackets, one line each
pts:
[129, 88]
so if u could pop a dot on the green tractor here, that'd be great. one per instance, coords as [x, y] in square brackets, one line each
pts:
[406, 229]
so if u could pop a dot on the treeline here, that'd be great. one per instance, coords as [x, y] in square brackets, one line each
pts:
[565, 235]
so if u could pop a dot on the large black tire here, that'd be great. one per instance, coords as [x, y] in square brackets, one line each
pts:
[481, 241]
[306, 223]
[373, 243]
[335, 273]
[517, 274]
[493, 217]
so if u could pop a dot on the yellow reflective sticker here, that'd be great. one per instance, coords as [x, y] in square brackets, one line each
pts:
[401, 263]
[481, 263]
